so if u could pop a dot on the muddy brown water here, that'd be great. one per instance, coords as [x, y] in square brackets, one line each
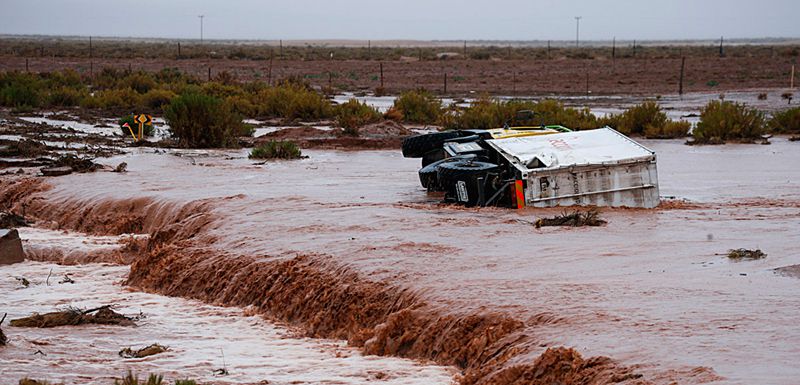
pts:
[652, 289]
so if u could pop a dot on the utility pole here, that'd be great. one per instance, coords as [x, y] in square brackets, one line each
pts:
[578, 30]
[201, 28]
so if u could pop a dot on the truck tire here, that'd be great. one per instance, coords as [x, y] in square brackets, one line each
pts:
[432, 156]
[428, 174]
[416, 146]
[460, 179]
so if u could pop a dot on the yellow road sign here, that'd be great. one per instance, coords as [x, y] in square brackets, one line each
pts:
[141, 118]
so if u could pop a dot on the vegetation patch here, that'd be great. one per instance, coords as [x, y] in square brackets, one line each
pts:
[746, 254]
[576, 218]
[418, 106]
[721, 121]
[276, 149]
[202, 121]
[670, 130]
[785, 122]
[354, 114]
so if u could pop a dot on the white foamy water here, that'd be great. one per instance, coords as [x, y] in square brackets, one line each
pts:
[201, 337]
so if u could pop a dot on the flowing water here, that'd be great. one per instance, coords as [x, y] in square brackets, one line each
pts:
[201, 337]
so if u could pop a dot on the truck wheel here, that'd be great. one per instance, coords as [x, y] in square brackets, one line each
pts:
[428, 175]
[416, 146]
[460, 179]
[432, 156]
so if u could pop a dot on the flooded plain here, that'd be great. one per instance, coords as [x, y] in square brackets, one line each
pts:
[201, 338]
[652, 289]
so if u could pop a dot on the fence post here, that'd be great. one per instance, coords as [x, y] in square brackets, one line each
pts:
[28, 70]
[634, 48]
[209, 73]
[680, 86]
[269, 74]
[179, 50]
[281, 44]
[721, 51]
[614, 48]
[445, 82]
[791, 79]
[381, 74]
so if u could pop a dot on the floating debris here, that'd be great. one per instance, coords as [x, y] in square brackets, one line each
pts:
[575, 219]
[746, 254]
[143, 352]
[73, 316]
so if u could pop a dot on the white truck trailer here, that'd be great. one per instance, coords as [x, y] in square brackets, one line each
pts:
[543, 166]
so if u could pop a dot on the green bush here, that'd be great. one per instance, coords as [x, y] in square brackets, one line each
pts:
[125, 98]
[418, 107]
[721, 121]
[637, 118]
[291, 101]
[276, 150]
[553, 112]
[157, 98]
[148, 129]
[787, 121]
[354, 114]
[482, 114]
[486, 113]
[203, 121]
[670, 130]
[66, 97]
[20, 90]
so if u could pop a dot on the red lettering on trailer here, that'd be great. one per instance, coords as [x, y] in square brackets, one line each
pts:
[560, 144]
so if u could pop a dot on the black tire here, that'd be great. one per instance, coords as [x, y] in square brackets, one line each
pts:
[432, 156]
[428, 174]
[417, 146]
[451, 175]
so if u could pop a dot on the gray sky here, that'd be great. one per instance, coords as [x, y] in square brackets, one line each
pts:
[405, 19]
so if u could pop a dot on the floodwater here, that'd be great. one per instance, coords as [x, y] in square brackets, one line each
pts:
[201, 338]
[652, 288]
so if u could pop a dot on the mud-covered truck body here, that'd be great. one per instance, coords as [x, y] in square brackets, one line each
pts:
[544, 166]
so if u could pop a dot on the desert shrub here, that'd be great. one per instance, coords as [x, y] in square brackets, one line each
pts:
[482, 114]
[276, 150]
[418, 106]
[670, 130]
[637, 118]
[610, 120]
[66, 97]
[487, 113]
[354, 114]
[198, 120]
[553, 112]
[721, 121]
[157, 98]
[242, 105]
[140, 82]
[131, 379]
[393, 114]
[787, 121]
[291, 101]
[118, 98]
[66, 78]
[220, 90]
[20, 90]
[148, 129]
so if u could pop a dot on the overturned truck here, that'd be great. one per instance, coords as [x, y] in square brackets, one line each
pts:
[540, 166]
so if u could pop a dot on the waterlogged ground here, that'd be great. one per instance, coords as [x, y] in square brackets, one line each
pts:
[201, 338]
[652, 288]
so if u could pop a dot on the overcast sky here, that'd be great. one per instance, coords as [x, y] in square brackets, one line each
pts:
[405, 19]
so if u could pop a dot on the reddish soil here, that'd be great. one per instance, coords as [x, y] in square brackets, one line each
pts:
[378, 136]
[633, 76]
